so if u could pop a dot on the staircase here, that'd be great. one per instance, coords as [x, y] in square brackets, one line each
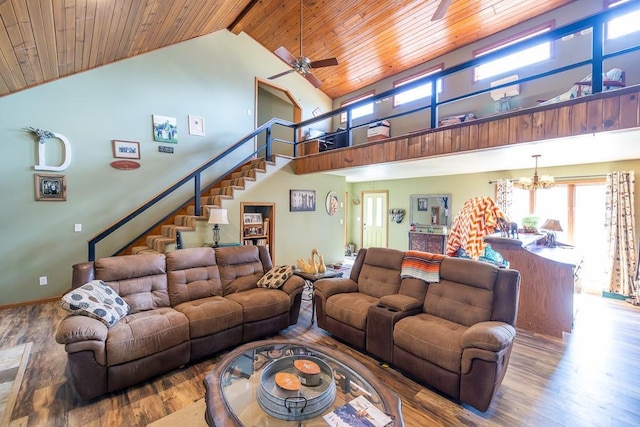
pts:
[185, 218]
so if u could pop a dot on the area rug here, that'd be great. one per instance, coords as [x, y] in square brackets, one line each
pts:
[13, 362]
[192, 416]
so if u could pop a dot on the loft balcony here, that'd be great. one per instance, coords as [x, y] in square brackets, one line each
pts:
[617, 110]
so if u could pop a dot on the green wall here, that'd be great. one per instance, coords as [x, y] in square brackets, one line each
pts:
[462, 188]
[204, 77]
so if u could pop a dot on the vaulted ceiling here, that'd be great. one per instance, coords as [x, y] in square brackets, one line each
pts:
[43, 40]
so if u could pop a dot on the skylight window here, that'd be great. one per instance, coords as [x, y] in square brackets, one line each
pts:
[532, 55]
[361, 111]
[622, 25]
[419, 92]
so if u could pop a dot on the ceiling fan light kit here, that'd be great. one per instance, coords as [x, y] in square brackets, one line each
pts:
[301, 64]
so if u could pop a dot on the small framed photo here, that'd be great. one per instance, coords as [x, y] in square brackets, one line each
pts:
[252, 218]
[51, 188]
[423, 204]
[302, 200]
[126, 149]
[196, 125]
[165, 129]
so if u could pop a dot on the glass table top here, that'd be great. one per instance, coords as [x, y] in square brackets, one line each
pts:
[236, 380]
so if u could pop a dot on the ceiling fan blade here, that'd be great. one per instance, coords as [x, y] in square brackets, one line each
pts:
[313, 80]
[441, 10]
[284, 73]
[285, 55]
[324, 63]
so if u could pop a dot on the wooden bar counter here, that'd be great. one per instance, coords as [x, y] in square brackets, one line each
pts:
[549, 280]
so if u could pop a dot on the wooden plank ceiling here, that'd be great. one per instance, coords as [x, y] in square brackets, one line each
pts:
[42, 40]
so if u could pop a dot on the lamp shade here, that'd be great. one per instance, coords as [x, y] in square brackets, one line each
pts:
[552, 225]
[218, 216]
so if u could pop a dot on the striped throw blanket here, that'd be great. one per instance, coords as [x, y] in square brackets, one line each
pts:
[422, 265]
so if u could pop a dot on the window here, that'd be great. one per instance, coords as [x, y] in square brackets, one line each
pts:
[531, 55]
[622, 25]
[363, 110]
[419, 92]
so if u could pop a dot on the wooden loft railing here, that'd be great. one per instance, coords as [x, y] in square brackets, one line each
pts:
[607, 111]
[494, 130]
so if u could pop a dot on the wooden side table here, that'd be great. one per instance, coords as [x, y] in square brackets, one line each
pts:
[310, 279]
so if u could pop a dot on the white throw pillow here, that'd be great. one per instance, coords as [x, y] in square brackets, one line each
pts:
[276, 277]
[96, 299]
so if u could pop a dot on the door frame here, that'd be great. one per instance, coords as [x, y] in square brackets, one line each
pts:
[297, 107]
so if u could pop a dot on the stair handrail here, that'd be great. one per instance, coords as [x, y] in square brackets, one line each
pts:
[196, 176]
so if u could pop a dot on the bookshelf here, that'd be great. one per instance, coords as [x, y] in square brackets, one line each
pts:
[258, 223]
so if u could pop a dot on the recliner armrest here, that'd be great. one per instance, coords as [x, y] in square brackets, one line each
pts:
[399, 302]
[75, 328]
[293, 285]
[336, 285]
[491, 336]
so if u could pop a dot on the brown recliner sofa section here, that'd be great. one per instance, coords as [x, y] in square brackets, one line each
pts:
[456, 336]
[185, 305]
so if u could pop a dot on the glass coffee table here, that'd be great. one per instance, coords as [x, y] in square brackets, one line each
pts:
[232, 388]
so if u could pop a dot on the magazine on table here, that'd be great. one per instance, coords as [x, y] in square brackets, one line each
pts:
[359, 412]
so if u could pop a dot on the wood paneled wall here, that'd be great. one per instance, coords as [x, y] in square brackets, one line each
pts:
[603, 112]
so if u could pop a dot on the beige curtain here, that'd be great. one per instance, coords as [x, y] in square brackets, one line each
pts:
[504, 196]
[621, 234]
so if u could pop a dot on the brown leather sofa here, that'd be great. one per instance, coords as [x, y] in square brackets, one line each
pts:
[185, 305]
[455, 335]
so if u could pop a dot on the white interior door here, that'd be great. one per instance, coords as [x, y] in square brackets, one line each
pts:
[374, 219]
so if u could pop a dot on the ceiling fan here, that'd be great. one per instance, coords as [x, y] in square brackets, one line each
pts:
[441, 10]
[302, 64]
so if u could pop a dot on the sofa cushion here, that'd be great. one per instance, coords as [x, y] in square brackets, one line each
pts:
[96, 299]
[275, 277]
[192, 274]
[380, 273]
[145, 333]
[261, 303]
[458, 302]
[208, 316]
[350, 308]
[140, 280]
[240, 268]
[431, 338]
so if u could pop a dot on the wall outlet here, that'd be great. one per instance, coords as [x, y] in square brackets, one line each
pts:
[43, 280]
[77, 228]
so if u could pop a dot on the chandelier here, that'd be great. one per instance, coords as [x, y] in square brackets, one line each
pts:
[544, 181]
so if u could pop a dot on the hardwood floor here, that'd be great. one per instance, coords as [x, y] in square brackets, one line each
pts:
[589, 378]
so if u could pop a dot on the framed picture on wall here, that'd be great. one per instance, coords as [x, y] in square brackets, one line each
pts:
[302, 200]
[165, 129]
[126, 149]
[196, 125]
[51, 188]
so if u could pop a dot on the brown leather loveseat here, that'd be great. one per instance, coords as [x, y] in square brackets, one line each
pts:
[455, 335]
[184, 305]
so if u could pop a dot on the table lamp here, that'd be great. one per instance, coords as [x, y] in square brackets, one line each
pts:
[551, 226]
[217, 216]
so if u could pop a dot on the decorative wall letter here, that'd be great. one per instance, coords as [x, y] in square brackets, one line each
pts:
[42, 136]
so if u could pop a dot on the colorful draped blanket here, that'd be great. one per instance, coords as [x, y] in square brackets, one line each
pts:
[477, 218]
[422, 265]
